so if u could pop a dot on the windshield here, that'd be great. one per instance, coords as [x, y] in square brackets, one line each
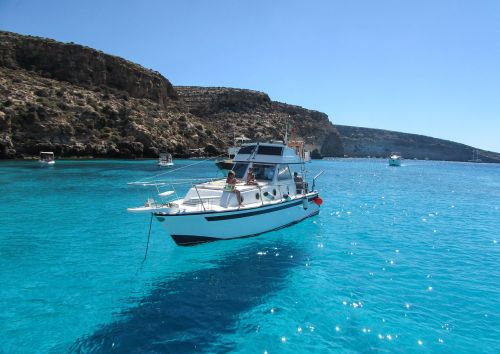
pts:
[240, 169]
[263, 172]
[284, 173]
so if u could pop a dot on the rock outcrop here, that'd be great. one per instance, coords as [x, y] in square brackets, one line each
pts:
[82, 66]
[77, 101]
[252, 114]
[364, 142]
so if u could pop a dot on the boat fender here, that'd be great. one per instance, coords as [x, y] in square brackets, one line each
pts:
[286, 197]
[318, 201]
[268, 196]
[305, 203]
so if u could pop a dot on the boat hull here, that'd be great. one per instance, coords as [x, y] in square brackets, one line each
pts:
[225, 164]
[191, 229]
[47, 163]
[394, 162]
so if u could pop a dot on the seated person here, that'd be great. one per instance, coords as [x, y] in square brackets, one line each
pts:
[299, 182]
[251, 177]
[231, 185]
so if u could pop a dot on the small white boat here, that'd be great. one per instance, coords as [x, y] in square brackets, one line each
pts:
[395, 159]
[46, 158]
[165, 160]
[227, 163]
[210, 210]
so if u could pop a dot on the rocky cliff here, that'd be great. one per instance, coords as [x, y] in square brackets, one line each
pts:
[77, 101]
[363, 142]
[254, 115]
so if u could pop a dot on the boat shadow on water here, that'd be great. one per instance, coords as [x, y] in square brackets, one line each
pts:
[190, 312]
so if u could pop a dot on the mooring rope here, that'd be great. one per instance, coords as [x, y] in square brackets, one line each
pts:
[147, 245]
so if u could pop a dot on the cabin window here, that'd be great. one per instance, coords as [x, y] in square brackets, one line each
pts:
[270, 150]
[284, 173]
[246, 150]
[263, 172]
[240, 169]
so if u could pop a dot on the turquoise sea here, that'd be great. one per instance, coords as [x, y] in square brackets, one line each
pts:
[398, 260]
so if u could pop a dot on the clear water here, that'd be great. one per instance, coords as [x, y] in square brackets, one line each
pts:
[399, 260]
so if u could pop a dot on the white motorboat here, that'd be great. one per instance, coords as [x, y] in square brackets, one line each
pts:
[210, 210]
[395, 159]
[46, 158]
[227, 163]
[165, 160]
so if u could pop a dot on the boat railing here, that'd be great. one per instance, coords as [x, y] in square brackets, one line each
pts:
[174, 185]
[206, 202]
[316, 177]
[268, 193]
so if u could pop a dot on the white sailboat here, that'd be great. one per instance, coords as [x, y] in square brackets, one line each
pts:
[227, 163]
[475, 156]
[272, 199]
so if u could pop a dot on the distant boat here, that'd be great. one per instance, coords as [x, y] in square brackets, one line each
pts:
[227, 164]
[475, 156]
[46, 158]
[165, 160]
[395, 159]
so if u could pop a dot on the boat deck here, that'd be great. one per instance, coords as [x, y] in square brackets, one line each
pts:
[209, 196]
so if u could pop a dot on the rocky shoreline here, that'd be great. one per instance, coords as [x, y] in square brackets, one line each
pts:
[80, 102]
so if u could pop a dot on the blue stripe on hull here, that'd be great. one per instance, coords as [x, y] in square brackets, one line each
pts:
[253, 213]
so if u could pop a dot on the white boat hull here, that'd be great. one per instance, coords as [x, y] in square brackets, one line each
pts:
[46, 163]
[165, 164]
[193, 228]
[394, 162]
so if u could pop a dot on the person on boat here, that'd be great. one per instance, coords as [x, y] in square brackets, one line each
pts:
[299, 182]
[251, 177]
[231, 185]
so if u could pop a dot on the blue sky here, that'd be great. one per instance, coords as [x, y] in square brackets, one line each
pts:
[425, 67]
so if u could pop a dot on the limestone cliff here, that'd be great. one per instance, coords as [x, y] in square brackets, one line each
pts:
[77, 101]
[250, 113]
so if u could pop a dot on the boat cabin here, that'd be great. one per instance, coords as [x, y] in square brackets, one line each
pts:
[273, 165]
[46, 157]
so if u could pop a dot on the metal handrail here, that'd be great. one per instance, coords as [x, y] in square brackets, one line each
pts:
[314, 179]
[165, 183]
[203, 205]
[199, 198]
